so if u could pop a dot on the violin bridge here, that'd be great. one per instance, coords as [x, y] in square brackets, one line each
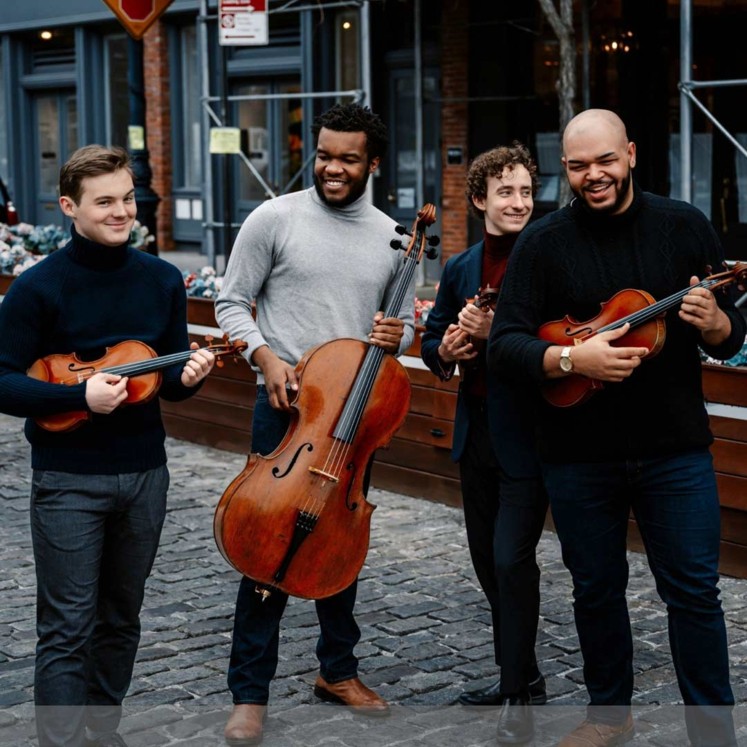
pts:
[325, 475]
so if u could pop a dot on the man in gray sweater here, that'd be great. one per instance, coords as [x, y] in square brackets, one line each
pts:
[319, 267]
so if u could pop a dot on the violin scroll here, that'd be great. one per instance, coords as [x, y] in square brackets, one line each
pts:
[227, 348]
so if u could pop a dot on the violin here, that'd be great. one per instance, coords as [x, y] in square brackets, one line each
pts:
[131, 358]
[485, 300]
[297, 519]
[630, 306]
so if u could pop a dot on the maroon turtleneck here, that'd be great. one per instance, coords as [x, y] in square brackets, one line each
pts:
[494, 261]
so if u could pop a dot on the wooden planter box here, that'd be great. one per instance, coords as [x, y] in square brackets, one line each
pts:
[201, 311]
[418, 460]
[5, 281]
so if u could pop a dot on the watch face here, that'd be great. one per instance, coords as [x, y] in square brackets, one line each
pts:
[566, 364]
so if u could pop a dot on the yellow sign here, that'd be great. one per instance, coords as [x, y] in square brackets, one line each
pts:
[225, 140]
[136, 137]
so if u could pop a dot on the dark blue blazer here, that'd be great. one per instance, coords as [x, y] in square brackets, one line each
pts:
[511, 408]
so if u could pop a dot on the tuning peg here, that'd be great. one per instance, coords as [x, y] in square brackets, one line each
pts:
[431, 252]
[396, 244]
[434, 240]
[401, 230]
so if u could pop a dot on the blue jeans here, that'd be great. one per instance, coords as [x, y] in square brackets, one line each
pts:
[256, 630]
[95, 538]
[675, 503]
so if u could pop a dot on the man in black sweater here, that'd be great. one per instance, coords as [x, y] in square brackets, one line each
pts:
[98, 496]
[502, 494]
[641, 440]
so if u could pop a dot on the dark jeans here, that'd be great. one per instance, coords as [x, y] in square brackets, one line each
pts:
[256, 630]
[675, 502]
[504, 517]
[95, 538]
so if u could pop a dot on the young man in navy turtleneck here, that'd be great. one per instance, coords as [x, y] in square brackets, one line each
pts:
[98, 497]
[504, 501]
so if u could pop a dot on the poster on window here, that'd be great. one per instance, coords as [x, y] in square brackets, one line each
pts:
[243, 22]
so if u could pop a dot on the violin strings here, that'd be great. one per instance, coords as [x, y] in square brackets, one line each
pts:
[365, 379]
[138, 367]
[649, 312]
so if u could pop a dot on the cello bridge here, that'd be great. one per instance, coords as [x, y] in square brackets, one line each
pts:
[322, 473]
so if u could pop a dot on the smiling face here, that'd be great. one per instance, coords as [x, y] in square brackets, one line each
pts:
[106, 210]
[508, 201]
[342, 166]
[598, 161]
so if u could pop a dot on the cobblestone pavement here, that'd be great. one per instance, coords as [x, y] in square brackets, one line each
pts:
[425, 629]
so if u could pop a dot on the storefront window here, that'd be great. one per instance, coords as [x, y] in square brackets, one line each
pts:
[118, 111]
[348, 56]
[3, 122]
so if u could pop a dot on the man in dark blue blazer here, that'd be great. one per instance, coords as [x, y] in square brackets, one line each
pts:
[502, 493]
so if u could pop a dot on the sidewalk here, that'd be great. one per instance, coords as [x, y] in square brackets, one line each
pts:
[424, 623]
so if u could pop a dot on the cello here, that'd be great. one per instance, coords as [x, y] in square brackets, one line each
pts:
[297, 520]
[630, 306]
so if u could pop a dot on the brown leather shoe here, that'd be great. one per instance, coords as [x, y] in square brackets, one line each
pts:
[244, 726]
[591, 734]
[352, 693]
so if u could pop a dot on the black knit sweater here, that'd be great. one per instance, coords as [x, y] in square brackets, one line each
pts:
[82, 299]
[571, 261]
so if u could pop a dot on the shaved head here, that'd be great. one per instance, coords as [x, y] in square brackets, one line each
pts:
[595, 124]
[598, 159]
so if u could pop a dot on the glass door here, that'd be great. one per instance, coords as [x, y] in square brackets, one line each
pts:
[55, 138]
[273, 132]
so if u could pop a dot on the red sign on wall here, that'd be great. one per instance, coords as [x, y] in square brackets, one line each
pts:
[137, 16]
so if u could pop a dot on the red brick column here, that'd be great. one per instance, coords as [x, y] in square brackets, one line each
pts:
[158, 127]
[454, 125]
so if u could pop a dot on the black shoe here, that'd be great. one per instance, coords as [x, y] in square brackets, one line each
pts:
[492, 696]
[515, 721]
[538, 691]
[485, 696]
[108, 740]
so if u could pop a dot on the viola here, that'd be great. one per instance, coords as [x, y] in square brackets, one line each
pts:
[630, 306]
[131, 358]
[297, 519]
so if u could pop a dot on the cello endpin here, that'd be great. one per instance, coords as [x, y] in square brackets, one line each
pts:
[263, 592]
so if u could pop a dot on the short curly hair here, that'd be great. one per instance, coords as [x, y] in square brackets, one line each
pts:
[493, 163]
[355, 118]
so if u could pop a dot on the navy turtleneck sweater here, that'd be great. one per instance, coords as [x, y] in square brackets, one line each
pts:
[82, 299]
[573, 260]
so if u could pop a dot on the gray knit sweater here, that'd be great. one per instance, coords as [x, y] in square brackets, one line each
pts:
[317, 273]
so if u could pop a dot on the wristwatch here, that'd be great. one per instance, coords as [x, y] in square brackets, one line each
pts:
[566, 364]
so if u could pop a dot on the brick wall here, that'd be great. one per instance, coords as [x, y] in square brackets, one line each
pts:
[158, 127]
[454, 125]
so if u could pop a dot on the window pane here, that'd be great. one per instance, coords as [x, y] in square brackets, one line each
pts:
[49, 143]
[291, 114]
[118, 114]
[191, 109]
[253, 119]
[347, 55]
[3, 124]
